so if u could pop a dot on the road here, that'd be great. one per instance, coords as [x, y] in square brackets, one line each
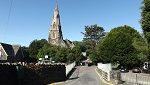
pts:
[84, 75]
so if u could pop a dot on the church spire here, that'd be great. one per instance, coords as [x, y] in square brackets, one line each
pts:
[56, 8]
[55, 34]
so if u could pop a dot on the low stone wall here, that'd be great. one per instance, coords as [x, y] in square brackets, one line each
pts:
[8, 75]
[43, 74]
[31, 74]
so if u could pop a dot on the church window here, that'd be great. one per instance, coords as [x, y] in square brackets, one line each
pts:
[54, 25]
[53, 35]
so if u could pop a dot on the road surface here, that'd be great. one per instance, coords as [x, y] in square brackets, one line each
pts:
[84, 75]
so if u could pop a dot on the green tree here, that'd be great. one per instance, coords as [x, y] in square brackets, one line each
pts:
[81, 45]
[119, 46]
[35, 46]
[77, 54]
[142, 49]
[145, 22]
[49, 50]
[92, 35]
[61, 55]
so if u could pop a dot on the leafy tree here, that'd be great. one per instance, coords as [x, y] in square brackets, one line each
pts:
[77, 54]
[119, 45]
[47, 49]
[61, 55]
[145, 22]
[81, 45]
[142, 49]
[92, 35]
[35, 46]
[70, 57]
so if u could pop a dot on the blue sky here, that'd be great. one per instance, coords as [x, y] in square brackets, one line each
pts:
[31, 19]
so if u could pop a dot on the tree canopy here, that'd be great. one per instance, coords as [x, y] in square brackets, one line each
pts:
[118, 46]
[145, 22]
[92, 35]
[35, 46]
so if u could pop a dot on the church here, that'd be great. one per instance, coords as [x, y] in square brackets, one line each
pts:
[55, 33]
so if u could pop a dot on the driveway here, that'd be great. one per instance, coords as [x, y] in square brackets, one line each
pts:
[83, 75]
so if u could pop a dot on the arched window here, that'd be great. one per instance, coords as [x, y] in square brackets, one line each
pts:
[53, 34]
[54, 25]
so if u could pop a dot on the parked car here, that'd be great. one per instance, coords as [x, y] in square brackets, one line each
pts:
[124, 69]
[136, 70]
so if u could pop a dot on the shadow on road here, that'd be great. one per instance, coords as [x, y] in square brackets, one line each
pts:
[73, 78]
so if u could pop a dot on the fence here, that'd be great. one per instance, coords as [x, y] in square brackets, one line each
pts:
[105, 71]
[136, 78]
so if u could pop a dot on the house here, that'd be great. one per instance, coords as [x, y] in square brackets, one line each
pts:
[10, 53]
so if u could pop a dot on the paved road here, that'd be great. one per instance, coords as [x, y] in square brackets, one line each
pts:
[84, 75]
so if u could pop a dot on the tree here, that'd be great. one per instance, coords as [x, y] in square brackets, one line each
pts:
[92, 35]
[35, 46]
[77, 54]
[62, 54]
[119, 46]
[47, 49]
[145, 22]
[81, 45]
[142, 49]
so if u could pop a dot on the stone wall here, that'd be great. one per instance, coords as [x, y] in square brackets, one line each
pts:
[8, 75]
[31, 74]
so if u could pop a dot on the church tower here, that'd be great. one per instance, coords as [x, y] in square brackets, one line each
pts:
[55, 36]
[55, 33]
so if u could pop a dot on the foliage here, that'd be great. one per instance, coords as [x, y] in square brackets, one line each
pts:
[77, 54]
[142, 49]
[61, 54]
[81, 45]
[120, 46]
[145, 22]
[92, 36]
[35, 46]
[47, 49]
[93, 32]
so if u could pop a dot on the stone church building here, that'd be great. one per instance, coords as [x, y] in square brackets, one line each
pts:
[55, 33]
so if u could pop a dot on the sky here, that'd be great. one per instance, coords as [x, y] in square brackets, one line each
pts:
[22, 21]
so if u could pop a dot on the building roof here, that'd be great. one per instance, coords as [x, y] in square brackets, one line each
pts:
[11, 50]
[16, 48]
[8, 49]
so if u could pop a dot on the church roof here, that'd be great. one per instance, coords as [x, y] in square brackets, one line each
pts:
[68, 43]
